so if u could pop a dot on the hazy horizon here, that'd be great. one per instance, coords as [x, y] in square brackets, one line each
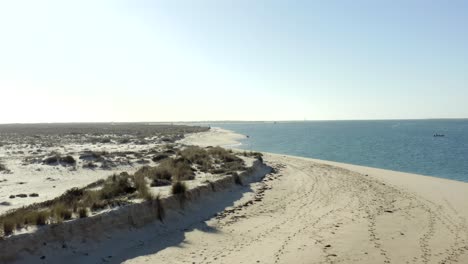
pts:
[185, 61]
[233, 121]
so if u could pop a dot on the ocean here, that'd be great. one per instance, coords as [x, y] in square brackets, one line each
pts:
[401, 145]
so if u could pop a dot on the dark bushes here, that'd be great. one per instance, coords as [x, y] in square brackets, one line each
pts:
[159, 157]
[50, 160]
[2, 167]
[8, 227]
[68, 160]
[82, 212]
[179, 188]
[118, 185]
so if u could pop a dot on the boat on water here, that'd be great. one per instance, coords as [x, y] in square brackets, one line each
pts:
[439, 135]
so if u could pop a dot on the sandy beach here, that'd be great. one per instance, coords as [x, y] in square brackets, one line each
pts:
[314, 211]
[305, 211]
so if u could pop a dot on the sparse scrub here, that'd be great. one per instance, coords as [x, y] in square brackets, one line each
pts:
[50, 160]
[8, 227]
[82, 212]
[61, 212]
[197, 155]
[142, 187]
[160, 182]
[67, 160]
[89, 165]
[159, 157]
[118, 185]
[71, 196]
[117, 189]
[2, 167]
[38, 218]
[179, 188]
[168, 170]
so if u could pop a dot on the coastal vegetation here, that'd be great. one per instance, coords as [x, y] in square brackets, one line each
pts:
[180, 164]
[2, 167]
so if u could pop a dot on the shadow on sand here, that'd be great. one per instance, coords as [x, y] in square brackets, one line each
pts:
[130, 243]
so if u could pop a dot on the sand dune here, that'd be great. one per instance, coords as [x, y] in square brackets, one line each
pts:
[315, 211]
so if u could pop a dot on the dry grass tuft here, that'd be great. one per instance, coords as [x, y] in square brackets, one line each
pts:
[179, 188]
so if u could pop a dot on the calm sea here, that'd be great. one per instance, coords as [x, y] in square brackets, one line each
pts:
[405, 145]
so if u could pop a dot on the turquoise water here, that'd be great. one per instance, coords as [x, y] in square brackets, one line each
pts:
[406, 145]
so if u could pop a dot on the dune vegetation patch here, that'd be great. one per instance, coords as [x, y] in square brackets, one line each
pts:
[2, 167]
[174, 170]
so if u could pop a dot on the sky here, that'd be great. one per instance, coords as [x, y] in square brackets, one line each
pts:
[174, 60]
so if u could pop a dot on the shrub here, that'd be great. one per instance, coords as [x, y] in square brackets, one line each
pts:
[154, 173]
[179, 188]
[50, 160]
[233, 166]
[71, 196]
[2, 167]
[142, 187]
[67, 160]
[90, 198]
[159, 157]
[38, 217]
[179, 168]
[195, 154]
[169, 169]
[160, 182]
[99, 205]
[8, 227]
[89, 165]
[223, 154]
[61, 212]
[116, 186]
[83, 212]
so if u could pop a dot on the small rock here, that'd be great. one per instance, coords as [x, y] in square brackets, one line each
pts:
[12, 197]
[33, 195]
[43, 257]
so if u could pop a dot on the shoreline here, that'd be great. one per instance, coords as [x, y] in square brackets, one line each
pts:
[203, 139]
[323, 211]
[305, 211]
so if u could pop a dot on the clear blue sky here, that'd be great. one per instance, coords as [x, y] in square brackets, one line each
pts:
[232, 60]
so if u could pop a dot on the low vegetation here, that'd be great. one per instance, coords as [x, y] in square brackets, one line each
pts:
[174, 167]
[2, 167]
[83, 212]
[179, 188]
[57, 159]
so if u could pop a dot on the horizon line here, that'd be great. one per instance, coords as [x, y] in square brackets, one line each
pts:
[233, 121]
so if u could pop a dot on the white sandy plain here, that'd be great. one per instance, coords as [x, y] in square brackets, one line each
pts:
[315, 211]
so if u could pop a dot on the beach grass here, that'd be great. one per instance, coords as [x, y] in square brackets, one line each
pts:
[118, 189]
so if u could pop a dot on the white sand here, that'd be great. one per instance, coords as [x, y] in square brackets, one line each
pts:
[52, 181]
[214, 137]
[316, 211]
